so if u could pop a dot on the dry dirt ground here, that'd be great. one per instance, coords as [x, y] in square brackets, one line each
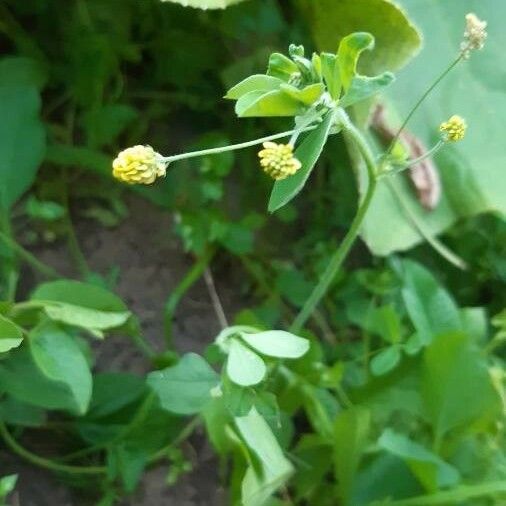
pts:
[151, 263]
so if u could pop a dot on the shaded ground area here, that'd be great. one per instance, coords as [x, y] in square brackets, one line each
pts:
[151, 263]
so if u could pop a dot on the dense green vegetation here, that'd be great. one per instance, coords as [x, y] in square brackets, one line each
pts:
[367, 364]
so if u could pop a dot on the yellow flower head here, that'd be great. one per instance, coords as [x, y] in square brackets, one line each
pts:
[454, 129]
[277, 160]
[474, 35]
[138, 165]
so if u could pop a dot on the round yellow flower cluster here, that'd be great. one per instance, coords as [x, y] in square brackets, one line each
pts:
[138, 165]
[277, 160]
[454, 129]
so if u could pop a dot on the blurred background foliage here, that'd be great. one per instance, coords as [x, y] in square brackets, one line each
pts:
[80, 80]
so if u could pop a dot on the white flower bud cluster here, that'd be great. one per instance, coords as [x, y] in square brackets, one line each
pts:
[474, 35]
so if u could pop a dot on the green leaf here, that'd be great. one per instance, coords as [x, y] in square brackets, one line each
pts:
[275, 469]
[281, 67]
[431, 470]
[113, 391]
[21, 378]
[60, 359]
[104, 125]
[205, 4]
[307, 153]
[277, 343]
[82, 305]
[22, 140]
[351, 431]
[256, 82]
[7, 484]
[331, 74]
[185, 388]
[21, 71]
[363, 87]
[11, 335]
[78, 293]
[456, 387]
[350, 49]
[430, 307]
[471, 171]
[89, 319]
[49, 371]
[244, 367]
[385, 360]
[44, 209]
[19, 413]
[307, 95]
[397, 40]
[270, 103]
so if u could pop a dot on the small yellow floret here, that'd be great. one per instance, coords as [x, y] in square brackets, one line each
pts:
[138, 165]
[277, 160]
[454, 129]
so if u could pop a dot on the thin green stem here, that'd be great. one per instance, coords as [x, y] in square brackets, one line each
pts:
[421, 100]
[232, 147]
[43, 462]
[419, 226]
[185, 433]
[410, 163]
[26, 256]
[72, 241]
[185, 284]
[144, 346]
[337, 259]
[455, 496]
[139, 417]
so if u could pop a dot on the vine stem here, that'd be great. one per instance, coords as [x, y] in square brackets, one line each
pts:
[337, 259]
[232, 147]
[43, 462]
[421, 100]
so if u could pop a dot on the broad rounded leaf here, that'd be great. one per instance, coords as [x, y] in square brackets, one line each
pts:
[60, 359]
[471, 171]
[256, 82]
[11, 335]
[430, 307]
[22, 140]
[267, 103]
[78, 293]
[82, 305]
[432, 471]
[277, 343]
[186, 387]
[386, 360]
[244, 367]
[397, 40]
[456, 386]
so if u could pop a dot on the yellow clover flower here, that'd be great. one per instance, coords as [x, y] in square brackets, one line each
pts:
[138, 165]
[454, 129]
[277, 160]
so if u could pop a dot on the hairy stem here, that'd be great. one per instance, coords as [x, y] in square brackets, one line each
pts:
[337, 259]
[232, 147]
